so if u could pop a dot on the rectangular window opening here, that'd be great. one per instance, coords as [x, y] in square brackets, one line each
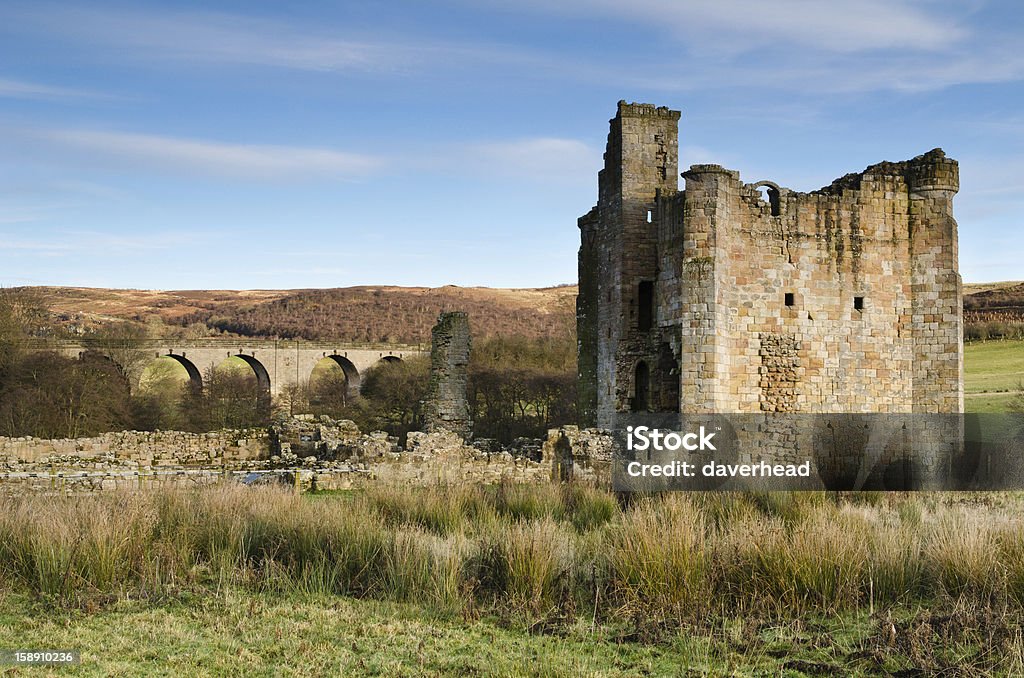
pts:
[645, 317]
[790, 299]
[650, 216]
[858, 303]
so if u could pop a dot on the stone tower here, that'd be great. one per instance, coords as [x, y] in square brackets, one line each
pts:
[618, 255]
[447, 406]
[741, 298]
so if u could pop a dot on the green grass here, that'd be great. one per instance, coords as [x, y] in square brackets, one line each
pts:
[237, 632]
[993, 373]
[988, 403]
[992, 366]
[516, 580]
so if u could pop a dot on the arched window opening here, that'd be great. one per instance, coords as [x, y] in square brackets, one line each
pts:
[770, 195]
[642, 387]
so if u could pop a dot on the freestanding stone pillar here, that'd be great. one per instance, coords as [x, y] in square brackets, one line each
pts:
[447, 406]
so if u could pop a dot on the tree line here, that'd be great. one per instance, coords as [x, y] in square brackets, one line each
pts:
[519, 387]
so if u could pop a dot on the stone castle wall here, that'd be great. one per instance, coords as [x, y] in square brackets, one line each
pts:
[821, 303]
[720, 299]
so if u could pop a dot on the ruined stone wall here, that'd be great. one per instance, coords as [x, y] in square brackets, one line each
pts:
[619, 249]
[438, 458]
[447, 405]
[127, 459]
[137, 448]
[344, 459]
[580, 455]
[847, 299]
[814, 297]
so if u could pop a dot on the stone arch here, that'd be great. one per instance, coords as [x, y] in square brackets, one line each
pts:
[390, 359]
[352, 377]
[195, 377]
[262, 376]
[773, 197]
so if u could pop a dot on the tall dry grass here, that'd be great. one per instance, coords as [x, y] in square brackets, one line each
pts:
[530, 550]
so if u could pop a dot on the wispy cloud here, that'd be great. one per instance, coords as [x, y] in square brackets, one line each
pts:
[542, 158]
[214, 157]
[225, 38]
[76, 242]
[22, 89]
[742, 25]
[839, 46]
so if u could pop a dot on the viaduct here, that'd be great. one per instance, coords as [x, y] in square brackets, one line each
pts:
[276, 363]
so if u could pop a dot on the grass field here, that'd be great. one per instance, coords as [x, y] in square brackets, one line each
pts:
[238, 632]
[525, 581]
[993, 374]
[516, 580]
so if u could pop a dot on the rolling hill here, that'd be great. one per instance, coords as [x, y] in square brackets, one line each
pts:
[370, 313]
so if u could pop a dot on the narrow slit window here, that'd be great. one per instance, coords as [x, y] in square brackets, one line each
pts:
[858, 303]
[774, 202]
[650, 216]
[789, 299]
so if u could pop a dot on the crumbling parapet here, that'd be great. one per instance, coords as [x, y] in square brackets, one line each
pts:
[447, 404]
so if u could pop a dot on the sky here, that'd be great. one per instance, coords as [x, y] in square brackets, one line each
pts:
[241, 145]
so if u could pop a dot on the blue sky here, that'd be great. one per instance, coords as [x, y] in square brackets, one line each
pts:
[204, 145]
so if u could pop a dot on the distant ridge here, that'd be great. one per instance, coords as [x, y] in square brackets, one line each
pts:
[364, 313]
[372, 312]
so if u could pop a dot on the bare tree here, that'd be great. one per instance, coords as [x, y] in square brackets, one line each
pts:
[122, 342]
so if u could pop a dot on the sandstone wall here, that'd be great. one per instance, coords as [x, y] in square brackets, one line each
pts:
[720, 299]
[344, 459]
[132, 449]
[447, 405]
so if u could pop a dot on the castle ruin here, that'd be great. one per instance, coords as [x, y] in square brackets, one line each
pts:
[446, 407]
[731, 297]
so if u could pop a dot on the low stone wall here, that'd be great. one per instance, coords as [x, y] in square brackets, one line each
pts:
[134, 449]
[308, 453]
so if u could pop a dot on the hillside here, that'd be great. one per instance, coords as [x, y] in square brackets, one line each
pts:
[373, 313]
[994, 302]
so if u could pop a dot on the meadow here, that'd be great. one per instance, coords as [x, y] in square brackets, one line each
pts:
[525, 580]
[993, 374]
[516, 580]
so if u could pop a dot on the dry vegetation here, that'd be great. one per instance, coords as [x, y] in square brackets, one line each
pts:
[545, 557]
[358, 314]
[929, 581]
[396, 314]
[994, 311]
